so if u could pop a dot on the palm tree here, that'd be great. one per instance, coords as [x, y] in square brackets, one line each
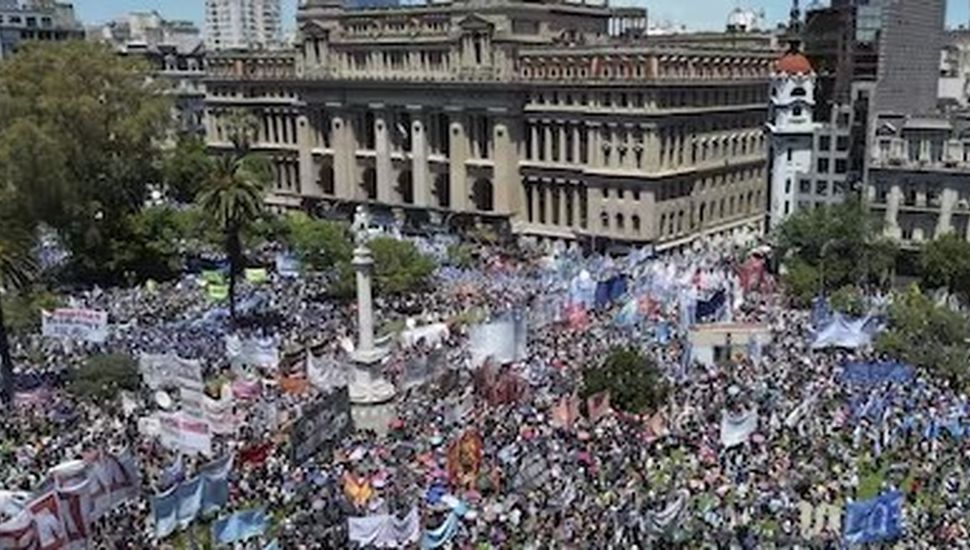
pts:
[17, 268]
[232, 198]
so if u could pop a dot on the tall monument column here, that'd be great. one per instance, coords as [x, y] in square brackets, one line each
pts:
[368, 385]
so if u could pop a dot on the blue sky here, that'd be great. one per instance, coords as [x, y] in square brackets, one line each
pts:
[697, 14]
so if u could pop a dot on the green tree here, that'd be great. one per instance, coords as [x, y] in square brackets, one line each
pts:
[849, 300]
[924, 334]
[946, 264]
[101, 377]
[80, 132]
[837, 246]
[633, 381]
[399, 266]
[17, 268]
[327, 246]
[154, 246]
[321, 244]
[232, 199]
[186, 168]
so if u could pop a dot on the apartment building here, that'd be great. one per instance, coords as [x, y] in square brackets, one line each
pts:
[243, 24]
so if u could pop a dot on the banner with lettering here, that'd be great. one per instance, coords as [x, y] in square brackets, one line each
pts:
[181, 432]
[80, 493]
[86, 325]
[322, 424]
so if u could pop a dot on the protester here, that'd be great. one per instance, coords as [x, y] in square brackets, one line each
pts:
[746, 454]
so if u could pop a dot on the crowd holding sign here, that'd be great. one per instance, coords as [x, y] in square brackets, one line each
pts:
[85, 325]
[80, 493]
[324, 423]
[494, 441]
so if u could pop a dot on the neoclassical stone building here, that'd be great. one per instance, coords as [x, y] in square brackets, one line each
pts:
[555, 119]
[919, 176]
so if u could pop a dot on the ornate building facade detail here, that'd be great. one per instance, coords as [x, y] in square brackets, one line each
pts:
[555, 119]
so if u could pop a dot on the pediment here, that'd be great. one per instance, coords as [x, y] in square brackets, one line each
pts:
[475, 23]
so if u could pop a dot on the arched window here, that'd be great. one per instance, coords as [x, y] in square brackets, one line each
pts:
[635, 220]
[405, 186]
[326, 180]
[482, 195]
[619, 221]
[369, 183]
[442, 190]
[604, 220]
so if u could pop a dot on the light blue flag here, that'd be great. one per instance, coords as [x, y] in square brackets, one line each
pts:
[443, 534]
[189, 501]
[874, 520]
[164, 506]
[215, 484]
[173, 474]
[240, 526]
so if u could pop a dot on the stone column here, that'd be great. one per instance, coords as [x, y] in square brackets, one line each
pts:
[368, 386]
[534, 146]
[547, 141]
[344, 151]
[577, 205]
[948, 199]
[458, 149]
[547, 191]
[382, 155]
[419, 161]
[563, 192]
[505, 183]
[534, 203]
[576, 143]
[307, 181]
[563, 128]
[892, 210]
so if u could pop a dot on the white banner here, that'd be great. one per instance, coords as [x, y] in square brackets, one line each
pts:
[737, 428]
[82, 493]
[87, 325]
[168, 369]
[253, 352]
[180, 432]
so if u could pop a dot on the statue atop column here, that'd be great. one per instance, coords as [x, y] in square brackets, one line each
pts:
[361, 225]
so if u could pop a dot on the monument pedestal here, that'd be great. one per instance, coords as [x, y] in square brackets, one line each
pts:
[371, 396]
[368, 386]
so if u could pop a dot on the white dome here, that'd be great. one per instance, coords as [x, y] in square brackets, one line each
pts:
[743, 20]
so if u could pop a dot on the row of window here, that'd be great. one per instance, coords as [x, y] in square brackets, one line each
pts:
[29, 21]
[665, 99]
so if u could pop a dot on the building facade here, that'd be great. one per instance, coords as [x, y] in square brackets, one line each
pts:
[911, 39]
[28, 20]
[242, 24]
[174, 49]
[790, 123]
[919, 178]
[559, 120]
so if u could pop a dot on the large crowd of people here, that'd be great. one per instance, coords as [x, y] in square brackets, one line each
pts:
[527, 478]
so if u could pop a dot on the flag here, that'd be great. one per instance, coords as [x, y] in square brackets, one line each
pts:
[465, 458]
[240, 526]
[217, 292]
[874, 520]
[256, 276]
